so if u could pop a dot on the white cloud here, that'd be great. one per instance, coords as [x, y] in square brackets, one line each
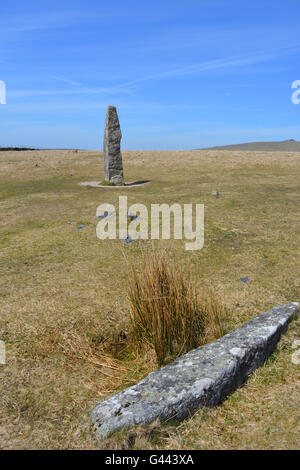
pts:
[194, 69]
[43, 21]
[66, 80]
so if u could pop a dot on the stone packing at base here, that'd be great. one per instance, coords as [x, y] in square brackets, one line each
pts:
[202, 377]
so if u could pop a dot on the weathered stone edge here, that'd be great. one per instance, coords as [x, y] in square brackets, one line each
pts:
[202, 377]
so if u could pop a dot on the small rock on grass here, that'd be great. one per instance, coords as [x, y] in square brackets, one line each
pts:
[244, 279]
[127, 240]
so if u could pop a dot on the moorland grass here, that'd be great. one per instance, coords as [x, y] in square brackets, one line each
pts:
[65, 312]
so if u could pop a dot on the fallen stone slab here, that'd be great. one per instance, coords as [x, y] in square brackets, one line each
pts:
[202, 377]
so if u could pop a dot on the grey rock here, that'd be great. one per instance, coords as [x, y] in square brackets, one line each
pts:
[244, 279]
[132, 216]
[127, 240]
[112, 157]
[104, 215]
[202, 377]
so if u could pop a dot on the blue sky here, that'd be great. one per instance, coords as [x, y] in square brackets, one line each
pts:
[183, 74]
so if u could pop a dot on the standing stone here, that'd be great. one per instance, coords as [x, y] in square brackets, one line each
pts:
[112, 157]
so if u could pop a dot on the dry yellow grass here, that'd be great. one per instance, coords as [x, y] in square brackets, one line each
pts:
[167, 313]
[63, 292]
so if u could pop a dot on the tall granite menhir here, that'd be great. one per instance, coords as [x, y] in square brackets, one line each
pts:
[112, 157]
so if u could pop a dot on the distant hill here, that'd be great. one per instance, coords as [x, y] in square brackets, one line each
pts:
[284, 146]
[6, 149]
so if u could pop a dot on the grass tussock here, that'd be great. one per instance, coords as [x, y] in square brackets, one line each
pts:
[107, 183]
[166, 311]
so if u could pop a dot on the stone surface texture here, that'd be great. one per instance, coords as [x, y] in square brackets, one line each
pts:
[202, 377]
[112, 156]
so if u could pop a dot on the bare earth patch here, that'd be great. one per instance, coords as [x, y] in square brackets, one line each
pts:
[97, 184]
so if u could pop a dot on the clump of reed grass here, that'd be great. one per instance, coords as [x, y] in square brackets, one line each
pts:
[166, 311]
